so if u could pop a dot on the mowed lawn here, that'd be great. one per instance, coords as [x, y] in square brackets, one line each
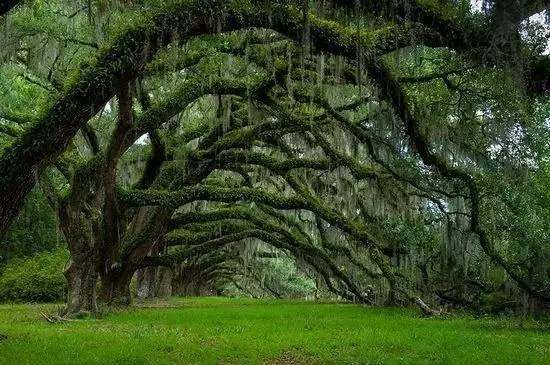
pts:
[243, 331]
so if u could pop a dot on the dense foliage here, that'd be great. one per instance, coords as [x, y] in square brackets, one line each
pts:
[35, 279]
[35, 230]
[390, 152]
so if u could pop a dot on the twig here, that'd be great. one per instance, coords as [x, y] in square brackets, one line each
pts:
[55, 318]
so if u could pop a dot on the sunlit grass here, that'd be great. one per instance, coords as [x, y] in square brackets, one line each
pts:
[241, 331]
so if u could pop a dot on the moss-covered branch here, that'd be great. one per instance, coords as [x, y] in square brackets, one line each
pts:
[205, 192]
[125, 59]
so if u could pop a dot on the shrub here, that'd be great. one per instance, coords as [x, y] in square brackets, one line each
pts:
[38, 278]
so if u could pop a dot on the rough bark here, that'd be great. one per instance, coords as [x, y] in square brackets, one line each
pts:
[164, 282]
[82, 281]
[146, 283]
[115, 287]
[81, 231]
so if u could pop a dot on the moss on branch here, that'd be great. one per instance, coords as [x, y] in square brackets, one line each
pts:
[186, 195]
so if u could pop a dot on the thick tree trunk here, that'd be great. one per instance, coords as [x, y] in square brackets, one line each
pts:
[115, 288]
[164, 282]
[82, 283]
[190, 286]
[81, 272]
[146, 283]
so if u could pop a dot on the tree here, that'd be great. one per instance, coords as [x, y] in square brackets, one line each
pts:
[363, 149]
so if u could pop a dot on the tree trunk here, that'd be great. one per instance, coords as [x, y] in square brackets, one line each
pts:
[146, 283]
[81, 272]
[82, 293]
[115, 288]
[164, 282]
[191, 284]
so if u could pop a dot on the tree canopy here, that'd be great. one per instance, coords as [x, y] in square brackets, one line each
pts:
[393, 151]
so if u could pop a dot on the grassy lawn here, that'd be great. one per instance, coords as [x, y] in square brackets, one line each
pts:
[240, 331]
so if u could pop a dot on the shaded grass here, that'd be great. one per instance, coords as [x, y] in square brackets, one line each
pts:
[242, 331]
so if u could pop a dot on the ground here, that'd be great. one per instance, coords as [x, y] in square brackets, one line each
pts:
[244, 331]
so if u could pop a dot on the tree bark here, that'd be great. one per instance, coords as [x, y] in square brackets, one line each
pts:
[164, 282]
[80, 231]
[191, 284]
[115, 287]
[146, 283]
[82, 282]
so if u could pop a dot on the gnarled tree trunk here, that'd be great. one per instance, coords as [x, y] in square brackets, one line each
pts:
[80, 231]
[82, 283]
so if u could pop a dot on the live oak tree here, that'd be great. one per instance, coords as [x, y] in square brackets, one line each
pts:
[395, 150]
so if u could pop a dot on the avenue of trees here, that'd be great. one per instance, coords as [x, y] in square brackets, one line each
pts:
[383, 152]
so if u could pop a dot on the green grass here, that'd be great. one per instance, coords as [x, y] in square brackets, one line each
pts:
[241, 331]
